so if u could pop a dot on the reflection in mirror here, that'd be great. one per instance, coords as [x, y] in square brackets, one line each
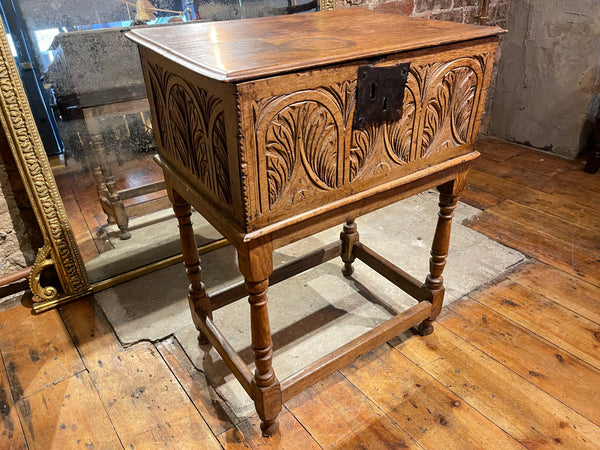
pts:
[85, 86]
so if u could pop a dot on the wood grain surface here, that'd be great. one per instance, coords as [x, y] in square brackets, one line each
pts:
[242, 49]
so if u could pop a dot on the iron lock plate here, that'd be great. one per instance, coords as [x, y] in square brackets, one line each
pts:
[380, 94]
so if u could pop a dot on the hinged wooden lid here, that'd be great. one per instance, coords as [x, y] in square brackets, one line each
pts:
[245, 49]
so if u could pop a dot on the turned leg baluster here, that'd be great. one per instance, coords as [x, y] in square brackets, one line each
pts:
[449, 193]
[197, 298]
[349, 237]
[107, 187]
[256, 264]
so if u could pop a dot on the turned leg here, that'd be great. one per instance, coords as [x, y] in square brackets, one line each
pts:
[349, 237]
[197, 298]
[449, 193]
[96, 157]
[107, 189]
[117, 205]
[256, 264]
[103, 194]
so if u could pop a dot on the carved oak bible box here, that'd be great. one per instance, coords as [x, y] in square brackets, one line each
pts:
[277, 128]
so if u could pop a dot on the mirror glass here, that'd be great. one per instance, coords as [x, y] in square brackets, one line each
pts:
[86, 90]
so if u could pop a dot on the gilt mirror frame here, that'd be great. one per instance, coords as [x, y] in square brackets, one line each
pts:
[59, 251]
[58, 274]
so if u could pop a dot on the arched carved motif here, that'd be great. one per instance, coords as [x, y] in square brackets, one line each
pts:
[306, 130]
[308, 134]
[306, 127]
[363, 144]
[192, 129]
[449, 101]
[447, 93]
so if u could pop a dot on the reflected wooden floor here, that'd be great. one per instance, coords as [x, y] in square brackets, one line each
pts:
[513, 365]
[78, 191]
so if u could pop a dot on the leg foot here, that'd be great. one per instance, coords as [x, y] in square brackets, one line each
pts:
[269, 427]
[349, 237]
[426, 327]
[434, 282]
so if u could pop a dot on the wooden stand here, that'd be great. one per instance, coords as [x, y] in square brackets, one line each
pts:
[273, 136]
[256, 264]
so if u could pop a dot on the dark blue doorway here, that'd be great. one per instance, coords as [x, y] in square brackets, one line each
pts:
[24, 50]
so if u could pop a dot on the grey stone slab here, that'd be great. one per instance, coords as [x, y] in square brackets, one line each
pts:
[315, 312]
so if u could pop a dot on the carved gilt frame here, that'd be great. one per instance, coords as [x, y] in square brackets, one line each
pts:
[326, 5]
[59, 258]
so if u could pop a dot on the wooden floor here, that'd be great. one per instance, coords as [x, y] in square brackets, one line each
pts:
[513, 365]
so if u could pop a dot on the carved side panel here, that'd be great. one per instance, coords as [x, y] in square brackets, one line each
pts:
[191, 129]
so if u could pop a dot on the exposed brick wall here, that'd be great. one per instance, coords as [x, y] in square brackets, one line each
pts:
[19, 232]
[467, 11]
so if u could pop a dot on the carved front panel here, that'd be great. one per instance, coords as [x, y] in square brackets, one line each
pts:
[191, 130]
[305, 152]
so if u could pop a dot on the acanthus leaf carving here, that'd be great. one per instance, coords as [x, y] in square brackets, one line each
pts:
[344, 95]
[281, 155]
[399, 134]
[305, 129]
[449, 90]
[192, 129]
[319, 145]
[435, 115]
[363, 142]
[462, 105]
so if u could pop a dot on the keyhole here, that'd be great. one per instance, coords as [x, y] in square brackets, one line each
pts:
[385, 103]
[373, 87]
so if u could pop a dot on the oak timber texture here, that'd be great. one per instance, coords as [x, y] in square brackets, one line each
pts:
[256, 115]
[234, 51]
[262, 151]
[521, 389]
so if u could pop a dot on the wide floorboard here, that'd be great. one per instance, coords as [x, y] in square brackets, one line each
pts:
[513, 365]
